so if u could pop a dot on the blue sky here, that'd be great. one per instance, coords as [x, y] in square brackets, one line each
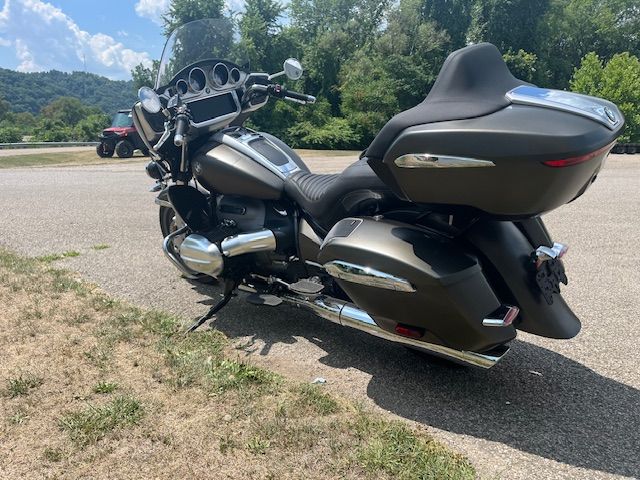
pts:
[112, 35]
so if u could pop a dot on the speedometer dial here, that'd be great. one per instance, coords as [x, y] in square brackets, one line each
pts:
[197, 80]
[220, 75]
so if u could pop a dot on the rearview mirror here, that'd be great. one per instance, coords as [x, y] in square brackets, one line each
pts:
[292, 68]
[149, 99]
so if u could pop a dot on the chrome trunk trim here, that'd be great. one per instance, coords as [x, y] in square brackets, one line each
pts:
[348, 315]
[370, 277]
[429, 160]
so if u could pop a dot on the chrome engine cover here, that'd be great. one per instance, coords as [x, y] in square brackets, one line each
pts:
[201, 255]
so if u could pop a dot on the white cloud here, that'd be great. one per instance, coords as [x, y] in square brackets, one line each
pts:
[46, 38]
[152, 9]
[5, 43]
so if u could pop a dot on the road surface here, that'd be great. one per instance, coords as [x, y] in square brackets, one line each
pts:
[551, 409]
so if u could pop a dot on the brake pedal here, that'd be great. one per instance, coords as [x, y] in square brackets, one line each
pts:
[264, 299]
[306, 286]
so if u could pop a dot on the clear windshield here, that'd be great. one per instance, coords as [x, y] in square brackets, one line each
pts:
[207, 39]
[122, 120]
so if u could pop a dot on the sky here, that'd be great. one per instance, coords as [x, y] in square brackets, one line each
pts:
[110, 37]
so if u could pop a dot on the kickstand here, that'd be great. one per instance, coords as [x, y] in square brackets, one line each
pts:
[229, 287]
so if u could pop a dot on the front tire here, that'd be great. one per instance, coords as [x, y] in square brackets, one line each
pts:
[124, 149]
[103, 151]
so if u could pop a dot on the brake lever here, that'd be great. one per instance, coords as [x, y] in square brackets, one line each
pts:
[165, 136]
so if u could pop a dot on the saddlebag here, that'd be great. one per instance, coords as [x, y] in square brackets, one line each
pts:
[414, 282]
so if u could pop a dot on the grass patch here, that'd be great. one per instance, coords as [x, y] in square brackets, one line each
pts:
[101, 246]
[105, 387]
[22, 385]
[200, 393]
[86, 157]
[312, 400]
[91, 424]
[58, 256]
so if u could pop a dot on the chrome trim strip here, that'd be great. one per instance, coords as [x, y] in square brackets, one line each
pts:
[348, 315]
[429, 160]
[505, 320]
[243, 147]
[584, 105]
[252, 242]
[371, 277]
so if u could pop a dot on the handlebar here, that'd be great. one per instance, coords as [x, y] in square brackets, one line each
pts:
[278, 91]
[182, 125]
[302, 97]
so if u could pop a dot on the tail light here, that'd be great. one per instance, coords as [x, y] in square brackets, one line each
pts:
[568, 162]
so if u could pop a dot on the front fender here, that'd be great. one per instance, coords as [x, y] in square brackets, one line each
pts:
[508, 250]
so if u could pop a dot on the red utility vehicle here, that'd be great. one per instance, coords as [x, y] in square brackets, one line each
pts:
[121, 138]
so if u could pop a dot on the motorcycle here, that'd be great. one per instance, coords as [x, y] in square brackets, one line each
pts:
[432, 239]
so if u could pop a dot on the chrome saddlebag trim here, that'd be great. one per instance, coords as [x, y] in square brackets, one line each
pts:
[370, 277]
[429, 160]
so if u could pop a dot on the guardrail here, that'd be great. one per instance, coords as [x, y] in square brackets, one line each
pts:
[10, 146]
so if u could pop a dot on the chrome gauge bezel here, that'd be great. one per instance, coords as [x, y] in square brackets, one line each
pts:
[200, 72]
[213, 75]
[182, 87]
[234, 76]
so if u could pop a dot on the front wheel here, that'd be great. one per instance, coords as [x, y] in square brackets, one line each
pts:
[124, 149]
[104, 151]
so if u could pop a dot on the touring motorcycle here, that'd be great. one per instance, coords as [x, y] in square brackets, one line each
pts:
[432, 239]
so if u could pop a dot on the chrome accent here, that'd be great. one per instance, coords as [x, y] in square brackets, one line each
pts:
[371, 277]
[163, 203]
[241, 144]
[167, 248]
[145, 129]
[212, 75]
[505, 320]
[584, 105]
[205, 80]
[260, 241]
[544, 253]
[428, 160]
[202, 256]
[347, 314]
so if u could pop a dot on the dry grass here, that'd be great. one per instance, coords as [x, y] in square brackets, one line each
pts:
[94, 388]
[61, 158]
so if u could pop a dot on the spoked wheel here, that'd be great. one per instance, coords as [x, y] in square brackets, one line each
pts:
[168, 224]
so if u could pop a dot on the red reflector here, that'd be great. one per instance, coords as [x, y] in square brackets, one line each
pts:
[410, 332]
[567, 162]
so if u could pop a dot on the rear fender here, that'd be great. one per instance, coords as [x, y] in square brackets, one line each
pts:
[508, 249]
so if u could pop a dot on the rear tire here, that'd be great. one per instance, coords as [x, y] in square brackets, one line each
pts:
[103, 151]
[124, 149]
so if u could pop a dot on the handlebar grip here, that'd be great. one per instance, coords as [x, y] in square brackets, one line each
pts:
[182, 125]
[303, 97]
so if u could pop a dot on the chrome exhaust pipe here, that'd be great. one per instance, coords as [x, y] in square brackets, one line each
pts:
[348, 315]
[168, 249]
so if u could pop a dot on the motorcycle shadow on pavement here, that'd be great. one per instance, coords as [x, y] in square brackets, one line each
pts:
[563, 411]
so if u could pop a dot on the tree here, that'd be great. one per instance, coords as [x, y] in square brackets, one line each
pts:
[144, 76]
[88, 129]
[68, 111]
[185, 11]
[617, 81]
[259, 30]
[523, 65]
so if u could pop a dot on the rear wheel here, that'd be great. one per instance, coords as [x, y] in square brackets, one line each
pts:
[104, 151]
[124, 149]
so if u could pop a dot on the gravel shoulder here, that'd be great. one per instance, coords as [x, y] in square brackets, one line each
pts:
[551, 409]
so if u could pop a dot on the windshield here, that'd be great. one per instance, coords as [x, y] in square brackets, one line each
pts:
[122, 120]
[209, 39]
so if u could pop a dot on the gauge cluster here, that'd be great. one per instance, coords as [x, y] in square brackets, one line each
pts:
[209, 77]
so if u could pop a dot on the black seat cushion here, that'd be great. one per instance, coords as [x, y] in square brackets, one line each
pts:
[472, 83]
[330, 198]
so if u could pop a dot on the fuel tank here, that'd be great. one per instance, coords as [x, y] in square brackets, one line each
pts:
[245, 163]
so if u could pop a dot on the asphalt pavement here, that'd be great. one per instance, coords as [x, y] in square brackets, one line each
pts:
[551, 409]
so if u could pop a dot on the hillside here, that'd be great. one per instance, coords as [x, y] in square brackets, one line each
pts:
[29, 92]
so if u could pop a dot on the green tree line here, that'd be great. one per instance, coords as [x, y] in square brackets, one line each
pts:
[368, 60]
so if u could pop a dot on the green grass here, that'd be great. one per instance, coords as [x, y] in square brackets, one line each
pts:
[312, 399]
[52, 454]
[58, 256]
[101, 246]
[86, 157]
[22, 385]
[105, 387]
[91, 424]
